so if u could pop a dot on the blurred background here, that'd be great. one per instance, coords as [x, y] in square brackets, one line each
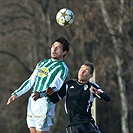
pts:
[102, 33]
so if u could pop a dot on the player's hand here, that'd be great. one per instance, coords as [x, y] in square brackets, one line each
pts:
[36, 95]
[12, 98]
[50, 91]
[94, 90]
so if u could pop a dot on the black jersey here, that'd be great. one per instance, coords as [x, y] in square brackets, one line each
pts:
[79, 99]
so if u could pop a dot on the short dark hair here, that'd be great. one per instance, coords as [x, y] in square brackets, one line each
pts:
[64, 42]
[87, 63]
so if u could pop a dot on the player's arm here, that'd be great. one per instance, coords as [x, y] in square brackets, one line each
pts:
[60, 78]
[11, 98]
[54, 96]
[98, 92]
[23, 88]
[105, 96]
[58, 95]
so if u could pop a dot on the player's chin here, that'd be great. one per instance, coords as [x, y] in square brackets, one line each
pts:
[81, 78]
[54, 57]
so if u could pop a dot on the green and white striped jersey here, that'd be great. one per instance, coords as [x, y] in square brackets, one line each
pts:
[48, 73]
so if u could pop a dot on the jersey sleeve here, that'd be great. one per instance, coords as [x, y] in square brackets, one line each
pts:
[26, 86]
[58, 95]
[59, 79]
[103, 95]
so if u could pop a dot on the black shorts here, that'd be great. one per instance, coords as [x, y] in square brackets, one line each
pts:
[83, 128]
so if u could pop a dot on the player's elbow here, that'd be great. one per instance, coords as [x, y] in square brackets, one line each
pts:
[54, 98]
[54, 101]
[107, 99]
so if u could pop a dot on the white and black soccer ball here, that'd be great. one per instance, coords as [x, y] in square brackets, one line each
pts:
[65, 17]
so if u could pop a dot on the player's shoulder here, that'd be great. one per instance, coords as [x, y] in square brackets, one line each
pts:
[94, 85]
[63, 63]
[71, 81]
[63, 66]
[43, 61]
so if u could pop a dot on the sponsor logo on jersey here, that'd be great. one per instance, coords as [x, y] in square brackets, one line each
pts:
[85, 87]
[43, 72]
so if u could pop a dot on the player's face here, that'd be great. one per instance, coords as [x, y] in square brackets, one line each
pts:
[84, 73]
[57, 51]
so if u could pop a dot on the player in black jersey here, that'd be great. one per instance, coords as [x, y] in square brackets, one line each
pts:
[80, 94]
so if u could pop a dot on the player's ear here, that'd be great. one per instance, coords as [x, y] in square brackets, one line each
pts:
[64, 53]
[90, 76]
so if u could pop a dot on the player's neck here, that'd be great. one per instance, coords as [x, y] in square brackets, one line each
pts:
[82, 81]
[56, 59]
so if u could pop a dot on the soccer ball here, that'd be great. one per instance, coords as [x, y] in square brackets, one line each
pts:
[65, 17]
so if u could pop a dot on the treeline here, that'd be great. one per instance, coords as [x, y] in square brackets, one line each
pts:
[100, 33]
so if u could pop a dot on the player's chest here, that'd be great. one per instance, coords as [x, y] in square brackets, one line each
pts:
[45, 70]
[78, 91]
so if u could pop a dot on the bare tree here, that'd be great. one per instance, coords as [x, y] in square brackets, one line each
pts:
[119, 61]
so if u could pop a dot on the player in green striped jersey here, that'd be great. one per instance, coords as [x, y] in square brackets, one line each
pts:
[48, 73]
